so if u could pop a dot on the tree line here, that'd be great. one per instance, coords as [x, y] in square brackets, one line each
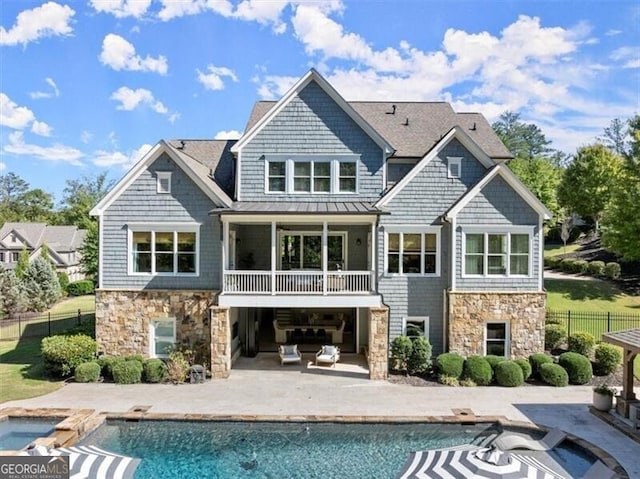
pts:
[599, 183]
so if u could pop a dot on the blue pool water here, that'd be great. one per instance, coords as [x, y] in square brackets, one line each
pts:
[229, 450]
[17, 433]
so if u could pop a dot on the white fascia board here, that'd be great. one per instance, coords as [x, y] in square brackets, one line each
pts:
[127, 179]
[313, 75]
[300, 301]
[281, 219]
[526, 194]
[471, 194]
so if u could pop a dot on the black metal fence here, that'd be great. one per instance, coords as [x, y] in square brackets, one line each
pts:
[40, 325]
[594, 322]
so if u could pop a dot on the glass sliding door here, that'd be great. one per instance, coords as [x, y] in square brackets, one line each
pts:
[304, 251]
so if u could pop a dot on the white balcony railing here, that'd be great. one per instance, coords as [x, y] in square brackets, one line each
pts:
[297, 282]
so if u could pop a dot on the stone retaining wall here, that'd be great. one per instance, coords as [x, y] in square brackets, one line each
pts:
[523, 311]
[123, 318]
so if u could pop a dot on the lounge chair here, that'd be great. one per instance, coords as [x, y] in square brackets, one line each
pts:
[508, 441]
[599, 471]
[328, 354]
[289, 354]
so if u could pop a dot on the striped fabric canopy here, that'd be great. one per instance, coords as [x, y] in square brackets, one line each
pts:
[479, 463]
[91, 462]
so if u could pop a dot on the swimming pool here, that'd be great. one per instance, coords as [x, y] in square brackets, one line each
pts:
[190, 450]
[16, 433]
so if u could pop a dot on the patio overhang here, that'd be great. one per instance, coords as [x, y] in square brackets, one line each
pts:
[629, 341]
[298, 301]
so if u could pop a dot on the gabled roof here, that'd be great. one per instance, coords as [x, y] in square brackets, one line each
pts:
[29, 233]
[198, 172]
[311, 76]
[456, 132]
[503, 171]
[59, 239]
[412, 128]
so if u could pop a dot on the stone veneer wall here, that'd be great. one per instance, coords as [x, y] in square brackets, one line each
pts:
[220, 342]
[123, 318]
[469, 311]
[378, 343]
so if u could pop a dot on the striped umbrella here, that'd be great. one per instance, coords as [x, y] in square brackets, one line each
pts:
[481, 463]
[91, 462]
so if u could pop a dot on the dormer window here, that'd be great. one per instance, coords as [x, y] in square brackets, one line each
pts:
[454, 167]
[164, 182]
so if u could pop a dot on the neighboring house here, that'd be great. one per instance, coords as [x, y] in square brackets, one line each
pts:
[63, 243]
[328, 220]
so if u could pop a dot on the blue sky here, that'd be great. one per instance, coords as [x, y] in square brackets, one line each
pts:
[87, 87]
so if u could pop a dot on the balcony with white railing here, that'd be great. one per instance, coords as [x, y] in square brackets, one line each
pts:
[297, 282]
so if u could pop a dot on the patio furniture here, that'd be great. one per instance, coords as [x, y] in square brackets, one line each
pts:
[599, 471]
[280, 332]
[336, 336]
[328, 354]
[508, 441]
[289, 354]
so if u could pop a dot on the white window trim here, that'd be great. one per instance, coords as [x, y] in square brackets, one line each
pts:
[160, 177]
[486, 231]
[162, 228]
[153, 337]
[454, 161]
[411, 230]
[334, 169]
[416, 319]
[507, 340]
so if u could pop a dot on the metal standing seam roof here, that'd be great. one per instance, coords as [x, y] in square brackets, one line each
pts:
[627, 339]
[284, 208]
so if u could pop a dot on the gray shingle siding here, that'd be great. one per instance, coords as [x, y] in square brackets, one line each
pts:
[140, 203]
[311, 123]
[498, 205]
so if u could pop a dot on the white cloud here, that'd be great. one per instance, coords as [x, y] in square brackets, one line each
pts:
[264, 13]
[55, 92]
[628, 56]
[86, 137]
[3, 166]
[174, 9]
[122, 8]
[174, 117]
[612, 32]
[40, 128]
[213, 80]
[47, 20]
[108, 159]
[14, 116]
[55, 153]
[119, 54]
[131, 99]
[228, 135]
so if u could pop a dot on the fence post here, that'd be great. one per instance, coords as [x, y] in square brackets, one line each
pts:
[569, 324]
[608, 321]
[49, 316]
[79, 316]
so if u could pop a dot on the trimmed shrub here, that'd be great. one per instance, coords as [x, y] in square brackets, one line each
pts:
[509, 374]
[80, 288]
[177, 367]
[493, 360]
[106, 364]
[567, 265]
[554, 375]
[154, 370]
[63, 279]
[401, 349]
[62, 354]
[578, 367]
[136, 357]
[608, 358]
[478, 370]
[87, 372]
[596, 268]
[450, 364]
[420, 359]
[581, 266]
[612, 270]
[581, 342]
[537, 360]
[127, 372]
[526, 368]
[554, 335]
[552, 321]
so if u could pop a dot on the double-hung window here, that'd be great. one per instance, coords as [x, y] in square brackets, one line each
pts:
[500, 253]
[163, 250]
[413, 251]
[306, 174]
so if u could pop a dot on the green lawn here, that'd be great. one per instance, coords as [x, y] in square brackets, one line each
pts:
[589, 295]
[557, 249]
[21, 371]
[86, 304]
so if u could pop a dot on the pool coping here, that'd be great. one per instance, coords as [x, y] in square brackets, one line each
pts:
[78, 423]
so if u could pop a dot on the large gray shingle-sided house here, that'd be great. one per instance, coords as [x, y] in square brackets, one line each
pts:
[327, 221]
[63, 243]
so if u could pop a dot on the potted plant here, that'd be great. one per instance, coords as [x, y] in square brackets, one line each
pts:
[603, 397]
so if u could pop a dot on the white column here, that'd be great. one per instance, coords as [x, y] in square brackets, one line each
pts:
[374, 267]
[325, 256]
[224, 249]
[273, 257]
